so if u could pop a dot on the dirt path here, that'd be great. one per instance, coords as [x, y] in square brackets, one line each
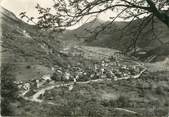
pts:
[35, 97]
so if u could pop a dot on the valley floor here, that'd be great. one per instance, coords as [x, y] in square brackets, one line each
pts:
[145, 94]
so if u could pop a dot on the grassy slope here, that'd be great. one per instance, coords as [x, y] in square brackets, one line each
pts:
[114, 38]
[20, 48]
[147, 96]
[110, 35]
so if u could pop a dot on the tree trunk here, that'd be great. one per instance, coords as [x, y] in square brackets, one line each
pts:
[161, 15]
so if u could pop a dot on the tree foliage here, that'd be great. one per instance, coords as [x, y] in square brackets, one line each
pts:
[66, 13]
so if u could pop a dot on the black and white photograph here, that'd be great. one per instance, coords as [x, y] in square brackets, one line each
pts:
[84, 58]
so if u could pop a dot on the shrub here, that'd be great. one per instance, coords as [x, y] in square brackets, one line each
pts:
[8, 89]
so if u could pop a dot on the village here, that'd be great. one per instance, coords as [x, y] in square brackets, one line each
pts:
[69, 76]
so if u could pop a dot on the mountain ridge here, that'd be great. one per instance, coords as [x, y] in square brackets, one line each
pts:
[110, 37]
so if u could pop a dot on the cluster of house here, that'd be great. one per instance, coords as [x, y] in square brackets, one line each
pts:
[100, 70]
[33, 84]
[103, 69]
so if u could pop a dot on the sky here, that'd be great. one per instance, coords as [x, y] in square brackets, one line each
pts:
[18, 6]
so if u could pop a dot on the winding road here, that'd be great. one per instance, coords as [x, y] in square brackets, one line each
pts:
[35, 97]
